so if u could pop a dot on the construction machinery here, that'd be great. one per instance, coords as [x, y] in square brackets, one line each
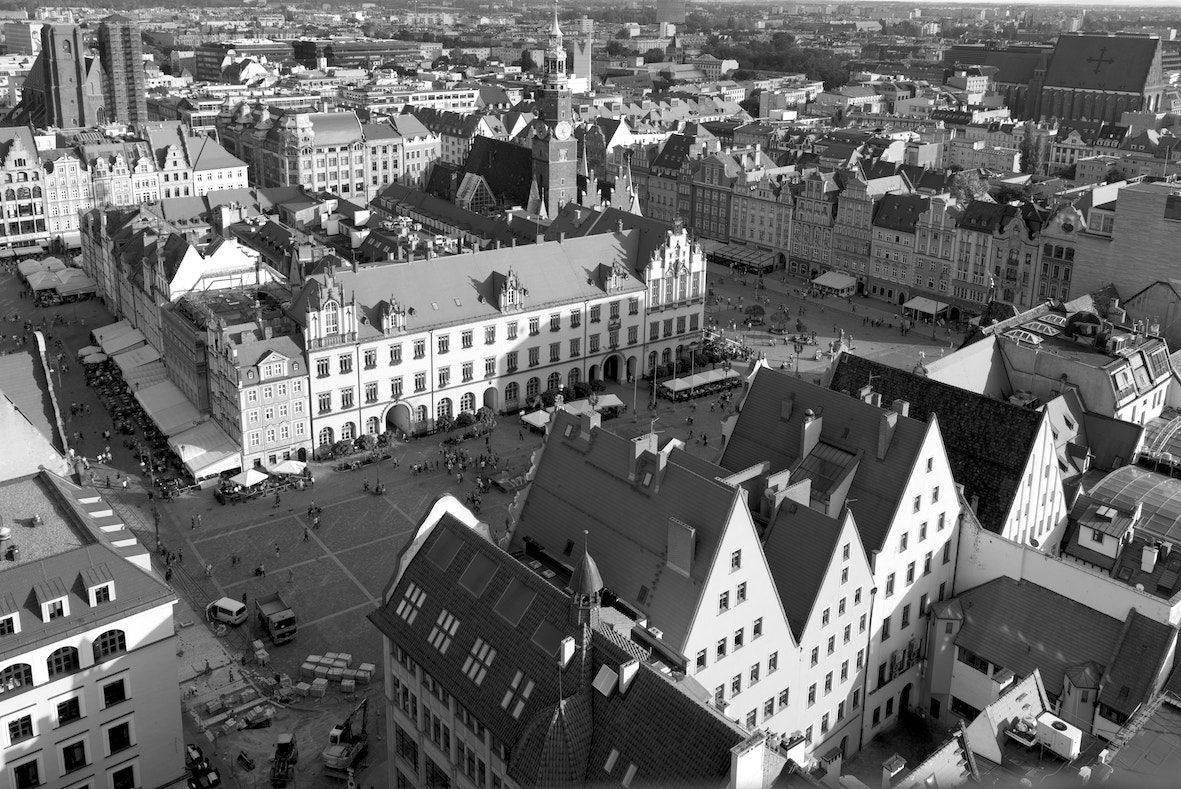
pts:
[347, 744]
[286, 756]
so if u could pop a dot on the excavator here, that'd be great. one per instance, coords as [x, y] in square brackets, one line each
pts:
[346, 745]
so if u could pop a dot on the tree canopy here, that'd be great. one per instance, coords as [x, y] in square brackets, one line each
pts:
[781, 54]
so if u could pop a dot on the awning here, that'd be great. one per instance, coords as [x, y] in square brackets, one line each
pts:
[835, 280]
[136, 357]
[925, 305]
[205, 450]
[123, 342]
[27, 267]
[42, 280]
[75, 281]
[110, 330]
[168, 407]
[742, 255]
[540, 419]
[691, 382]
[145, 375]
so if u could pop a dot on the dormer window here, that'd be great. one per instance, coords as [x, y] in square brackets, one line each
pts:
[100, 587]
[9, 625]
[54, 610]
[102, 594]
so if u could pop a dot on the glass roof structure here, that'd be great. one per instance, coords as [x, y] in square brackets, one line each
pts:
[1126, 487]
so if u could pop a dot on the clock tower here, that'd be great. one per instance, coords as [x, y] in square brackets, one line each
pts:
[555, 151]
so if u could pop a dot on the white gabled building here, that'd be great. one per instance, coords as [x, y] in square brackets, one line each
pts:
[892, 473]
[400, 345]
[88, 691]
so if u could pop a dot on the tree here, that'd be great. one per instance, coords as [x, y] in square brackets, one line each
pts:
[615, 48]
[654, 55]
[1008, 193]
[967, 186]
[622, 34]
[526, 62]
[1031, 154]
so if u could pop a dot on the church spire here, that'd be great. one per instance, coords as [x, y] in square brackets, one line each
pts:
[555, 56]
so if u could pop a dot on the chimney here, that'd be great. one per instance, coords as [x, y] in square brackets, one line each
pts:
[809, 432]
[886, 425]
[627, 672]
[356, 266]
[567, 651]
[1148, 558]
[901, 407]
[890, 768]
[589, 421]
[746, 762]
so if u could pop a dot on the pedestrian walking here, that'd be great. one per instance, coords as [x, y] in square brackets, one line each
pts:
[193, 522]
[276, 504]
[198, 520]
[290, 575]
[180, 555]
[276, 549]
[315, 521]
[306, 534]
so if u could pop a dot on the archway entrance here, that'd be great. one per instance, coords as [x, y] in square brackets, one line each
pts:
[593, 374]
[631, 368]
[398, 419]
[782, 261]
[904, 700]
[491, 398]
[612, 367]
[860, 287]
[901, 297]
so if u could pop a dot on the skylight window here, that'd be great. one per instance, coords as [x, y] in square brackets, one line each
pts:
[411, 604]
[514, 602]
[519, 691]
[479, 661]
[477, 575]
[443, 552]
[443, 631]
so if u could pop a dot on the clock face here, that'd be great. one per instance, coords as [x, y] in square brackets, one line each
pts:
[563, 130]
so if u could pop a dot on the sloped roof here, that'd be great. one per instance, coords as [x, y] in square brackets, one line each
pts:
[576, 221]
[986, 217]
[1131, 677]
[989, 462]
[506, 167]
[1102, 62]
[335, 128]
[761, 433]
[900, 212]
[1021, 626]
[799, 545]
[206, 153]
[628, 524]
[554, 741]
[24, 381]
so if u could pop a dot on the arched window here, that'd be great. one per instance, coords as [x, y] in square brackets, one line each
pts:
[326, 436]
[23, 193]
[554, 382]
[467, 403]
[574, 377]
[9, 194]
[532, 387]
[443, 410]
[348, 431]
[331, 319]
[420, 414]
[15, 677]
[371, 425]
[112, 642]
[512, 391]
[36, 191]
[62, 661]
[666, 355]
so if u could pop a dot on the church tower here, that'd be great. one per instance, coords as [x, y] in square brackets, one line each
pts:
[555, 151]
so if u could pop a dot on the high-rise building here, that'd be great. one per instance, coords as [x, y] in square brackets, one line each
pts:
[22, 37]
[121, 52]
[670, 11]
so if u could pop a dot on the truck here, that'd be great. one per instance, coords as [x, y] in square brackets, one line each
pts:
[286, 756]
[276, 617]
[346, 745]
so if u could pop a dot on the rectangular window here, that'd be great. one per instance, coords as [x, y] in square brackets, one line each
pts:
[721, 650]
[119, 737]
[555, 322]
[465, 338]
[371, 393]
[811, 694]
[74, 756]
[918, 503]
[946, 552]
[935, 495]
[511, 329]
[723, 602]
[832, 644]
[910, 573]
[346, 363]
[468, 370]
[20, 729]
[701, 660]
[444, 343]
[419, 349]
[738, 638]
[489, 335]
[848, 633]
[740, 593]
[68, 711]
[534, 326]
[906, 616]
[885, 628]
[772, 662]
[736, 685]
[511, 361]
[889, 584]
[490, 367]
[757, 629]
[595, 313]
[575, 347]
[754, 674]
[534, 356]
[575, 318]
[815, 655]
[555, 352]
[114, 693]
[593, 343]
[370, 358]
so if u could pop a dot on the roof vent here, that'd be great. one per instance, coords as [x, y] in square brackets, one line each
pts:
[606, 681]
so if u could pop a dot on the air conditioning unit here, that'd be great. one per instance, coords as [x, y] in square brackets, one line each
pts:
[1059, 736]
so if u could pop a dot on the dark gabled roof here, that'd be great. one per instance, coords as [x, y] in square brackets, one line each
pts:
[628, 524]
[799, 545]
[1102, 62]
[506, 167]
[1021, 626]
[761, 433]
[989, 462]
[900, 212]
[554, 741]
[1131, 677]
[575, 221]
[985, 217]
[674, 153]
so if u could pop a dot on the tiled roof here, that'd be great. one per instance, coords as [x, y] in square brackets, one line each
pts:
[1021, 626]
[1131, 677]
[900, 212]
[987, 460]
[763, 434]
[986, 217]
[459, 289]
[577, 221]
[628, 524]
[506, 167]
[1121, 63]
[207, 154]
[798, 545]
[554, 742]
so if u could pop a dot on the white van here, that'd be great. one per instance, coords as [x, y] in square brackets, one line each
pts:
[232, 612]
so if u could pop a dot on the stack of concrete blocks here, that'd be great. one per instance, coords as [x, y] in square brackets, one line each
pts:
[319, 687]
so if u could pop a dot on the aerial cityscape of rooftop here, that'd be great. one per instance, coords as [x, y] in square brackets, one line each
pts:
[528, 395]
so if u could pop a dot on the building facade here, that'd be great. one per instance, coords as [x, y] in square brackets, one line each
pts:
[122, 53]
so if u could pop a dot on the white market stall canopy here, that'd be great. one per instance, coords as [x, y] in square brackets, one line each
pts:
[136, 357]
[168, 407]
[835, 280]
[145, 375]
[691, 382]
[122, 342]
[925, 305]
[27, 267]
[42, 280]
[74, 282]
[205, 450]
[539, 419]
[111, 330]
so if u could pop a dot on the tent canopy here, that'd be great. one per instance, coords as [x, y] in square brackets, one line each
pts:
[110, 330]
[691, 382]
[205, 450]
[835, 280]
[289, 467]
[742, 256]
[925, 305]
[145, 375]
[249, 478]
[541, 418]
[123, 342]
[42, 280]
[136, 357]
[168, 407]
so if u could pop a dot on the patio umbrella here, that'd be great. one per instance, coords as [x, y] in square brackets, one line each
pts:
[289, 467]
[95, 358]
[89, 349]
[249, 478]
